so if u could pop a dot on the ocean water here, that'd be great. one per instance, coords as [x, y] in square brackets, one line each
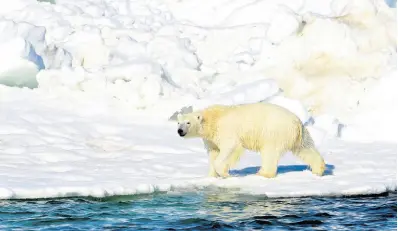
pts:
[212, 210]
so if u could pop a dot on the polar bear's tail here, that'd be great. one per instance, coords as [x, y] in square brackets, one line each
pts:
[306, 140]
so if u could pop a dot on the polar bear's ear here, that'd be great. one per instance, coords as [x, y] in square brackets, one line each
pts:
[200, 118]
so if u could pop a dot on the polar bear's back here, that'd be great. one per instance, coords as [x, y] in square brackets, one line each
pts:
[261, 124]
[258, 113]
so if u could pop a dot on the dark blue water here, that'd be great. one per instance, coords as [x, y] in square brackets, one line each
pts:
[201, 211]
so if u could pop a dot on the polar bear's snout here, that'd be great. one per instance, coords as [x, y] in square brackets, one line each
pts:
[182, 130]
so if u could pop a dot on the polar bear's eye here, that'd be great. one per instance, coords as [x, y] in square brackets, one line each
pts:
[188, 123]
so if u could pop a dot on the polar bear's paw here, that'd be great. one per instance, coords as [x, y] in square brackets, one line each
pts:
[266, 174]
[319, 170]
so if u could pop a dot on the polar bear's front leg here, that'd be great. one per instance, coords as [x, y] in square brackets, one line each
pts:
[221, 164]
[213, 152]
[212, 157]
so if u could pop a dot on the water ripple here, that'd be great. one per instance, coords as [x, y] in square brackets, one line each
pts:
[202, 211]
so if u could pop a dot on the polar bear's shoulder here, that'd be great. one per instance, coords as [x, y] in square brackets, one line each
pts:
[214, 112]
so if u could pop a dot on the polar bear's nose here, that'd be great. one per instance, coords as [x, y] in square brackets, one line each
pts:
[180, 131]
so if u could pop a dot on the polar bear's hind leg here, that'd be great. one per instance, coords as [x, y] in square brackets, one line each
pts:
[313, 158]
[308, 153]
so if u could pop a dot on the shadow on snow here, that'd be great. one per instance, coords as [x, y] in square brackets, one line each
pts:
[281, 170]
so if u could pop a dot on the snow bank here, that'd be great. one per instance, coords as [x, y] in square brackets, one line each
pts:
[52, 151]
[19, 61]
[22, 45]
[252, 92]
[376, 118]
[145, 52]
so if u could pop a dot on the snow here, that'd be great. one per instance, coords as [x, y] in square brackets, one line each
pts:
[20, 63]
[88, 88]
[52, 151]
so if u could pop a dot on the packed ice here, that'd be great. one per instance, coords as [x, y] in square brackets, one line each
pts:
[89, 91]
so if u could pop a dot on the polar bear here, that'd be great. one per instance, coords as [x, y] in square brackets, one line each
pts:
[261, 127]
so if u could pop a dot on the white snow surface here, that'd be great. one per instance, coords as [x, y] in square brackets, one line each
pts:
[52, 151]
[109, 74]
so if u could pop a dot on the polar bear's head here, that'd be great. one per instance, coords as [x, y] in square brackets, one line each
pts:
[190, 124]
